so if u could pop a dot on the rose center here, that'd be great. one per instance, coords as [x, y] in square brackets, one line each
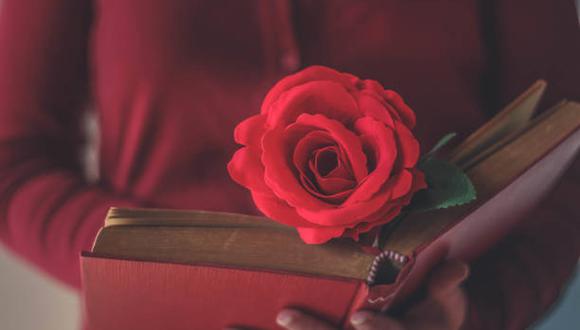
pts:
[326, 160]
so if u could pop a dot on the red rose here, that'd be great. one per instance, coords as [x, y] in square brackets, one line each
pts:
[329, 154]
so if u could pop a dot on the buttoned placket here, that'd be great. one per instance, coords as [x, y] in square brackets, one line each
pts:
[281, 51]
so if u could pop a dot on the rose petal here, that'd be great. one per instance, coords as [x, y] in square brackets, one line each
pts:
[382, 141]
[319, 235]
[330, 186]
[278, 210]
[325, 183]
[339, 168]
[345, 139]
[317, 97]
[419, 181]
[375, 89]
[407, 115]
[400, 184]
[334, 199]
[373, 86]
[344, 215]
[389, 211]
[246, 169]
[325, 160]
[372, 106]
[304, 148]
[342, 170]
[382, 215]
[249, 132]
[389, 208]
[394, 113]
[312, 73]
[386, 215]
[408, 146]
[279, 174]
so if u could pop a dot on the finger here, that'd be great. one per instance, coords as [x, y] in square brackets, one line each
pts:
[447, 277]
[292, 319]
[365, 320]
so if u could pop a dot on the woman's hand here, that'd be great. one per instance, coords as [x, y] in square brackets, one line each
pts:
[444, 308]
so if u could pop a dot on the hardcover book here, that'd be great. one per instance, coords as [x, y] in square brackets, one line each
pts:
[175, 269]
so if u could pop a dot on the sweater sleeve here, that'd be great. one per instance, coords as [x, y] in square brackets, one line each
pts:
[48, 212]
[515, 283]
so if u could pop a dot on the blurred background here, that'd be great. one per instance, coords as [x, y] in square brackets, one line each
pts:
[30, 300]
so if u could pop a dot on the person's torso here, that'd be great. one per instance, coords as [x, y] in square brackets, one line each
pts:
[173, 78]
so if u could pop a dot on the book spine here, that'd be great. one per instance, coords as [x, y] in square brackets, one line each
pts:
[384, 266]
[382, 283]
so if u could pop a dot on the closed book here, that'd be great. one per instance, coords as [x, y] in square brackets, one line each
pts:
[176, 269]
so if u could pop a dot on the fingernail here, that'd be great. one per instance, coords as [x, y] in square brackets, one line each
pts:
[359, 318]
[285, 317]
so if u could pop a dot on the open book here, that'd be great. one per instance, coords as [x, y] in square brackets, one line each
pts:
[171, 269]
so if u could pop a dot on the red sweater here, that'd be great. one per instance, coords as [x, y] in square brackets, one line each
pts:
[170, 79]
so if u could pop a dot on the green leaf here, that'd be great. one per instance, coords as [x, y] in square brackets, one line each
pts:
[447, 186]
[440, 144]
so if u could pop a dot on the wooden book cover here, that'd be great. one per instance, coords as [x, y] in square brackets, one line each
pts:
[171, 269]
